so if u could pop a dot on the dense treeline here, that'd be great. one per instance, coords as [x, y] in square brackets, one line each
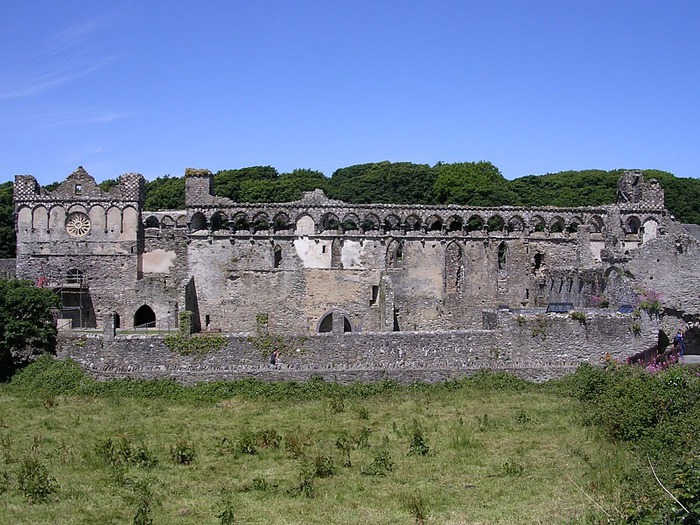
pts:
[466, 183]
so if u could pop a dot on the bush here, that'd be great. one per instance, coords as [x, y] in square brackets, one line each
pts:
[34, 481]
[183, 452]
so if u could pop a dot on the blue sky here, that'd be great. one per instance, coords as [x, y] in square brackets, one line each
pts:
[533, 86]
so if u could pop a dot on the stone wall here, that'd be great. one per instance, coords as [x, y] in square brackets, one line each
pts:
[535, 346]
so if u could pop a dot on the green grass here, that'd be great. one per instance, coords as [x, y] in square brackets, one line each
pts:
[492, 455]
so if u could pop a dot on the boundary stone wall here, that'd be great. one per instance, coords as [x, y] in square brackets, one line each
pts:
[536, 347]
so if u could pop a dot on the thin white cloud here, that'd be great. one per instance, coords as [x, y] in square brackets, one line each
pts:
[66, 56]
[80, 118]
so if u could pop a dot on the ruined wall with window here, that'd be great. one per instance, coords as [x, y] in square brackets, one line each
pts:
[320, 265]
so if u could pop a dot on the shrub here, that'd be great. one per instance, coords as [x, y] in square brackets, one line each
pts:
[182, 453]
[418, 446]
[34, 481]
[122, 452]
[380, 465]
[268, 438]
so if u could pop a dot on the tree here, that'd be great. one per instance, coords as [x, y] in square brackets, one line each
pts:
[8, 239]
[472, 184]
[385, 182]
[242, 184]
[165, 193]
[27, 327]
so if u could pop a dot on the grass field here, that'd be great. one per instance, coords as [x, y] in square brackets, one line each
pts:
[454, 454]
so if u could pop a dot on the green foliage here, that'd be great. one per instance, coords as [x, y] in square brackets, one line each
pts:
[34, 481]
[183, 452]
[385, 182]
[657, 414]
[471, 184]
[512, 468]
[381, 464]
[8, 239]
[123, 452]
[418, 508]
[418, 445]
[196, 344]
[26, 323]
[165, 193]
[579, 316]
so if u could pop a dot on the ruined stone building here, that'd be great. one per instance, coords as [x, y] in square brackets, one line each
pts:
[319, 265]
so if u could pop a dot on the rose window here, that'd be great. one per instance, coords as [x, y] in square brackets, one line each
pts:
[78, 225]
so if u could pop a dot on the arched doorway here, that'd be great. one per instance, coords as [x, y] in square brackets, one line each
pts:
[145, 317]
[692, 341]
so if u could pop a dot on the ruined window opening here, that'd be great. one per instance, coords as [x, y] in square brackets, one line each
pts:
[74, 276]
[375, 294]
[145, 317]
[78, 189]
[152, 222]
[207, 320]
[326, 325]
[539, 258]
[347, 327]
[453, 268]
[573, 227]
[117, 320]
[502, 250]
[395, 255]
[527, 293]
[323, 249]
[396, 327]
[633, 225]
[278, 256]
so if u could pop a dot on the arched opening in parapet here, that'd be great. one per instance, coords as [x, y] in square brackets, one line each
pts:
[74, 276]
[330, 221]
[596, 224]
[574, 225]
[277, 256]
[412, 223]
[261, 222]
[434, 224]
[537, 224]
[632, 225]
[241, 222]
[391, 223]
[557, 225]
[495, 224]
[502, 255]
[152, 222]
[370, 223]
[454, 224]
[145, 317]
[515, 224]
[475, 223]
[350, 223]
[219, 221]
[281, 222]
[198, 222]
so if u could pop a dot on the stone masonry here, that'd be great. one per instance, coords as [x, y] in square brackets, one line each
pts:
[319, 267]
